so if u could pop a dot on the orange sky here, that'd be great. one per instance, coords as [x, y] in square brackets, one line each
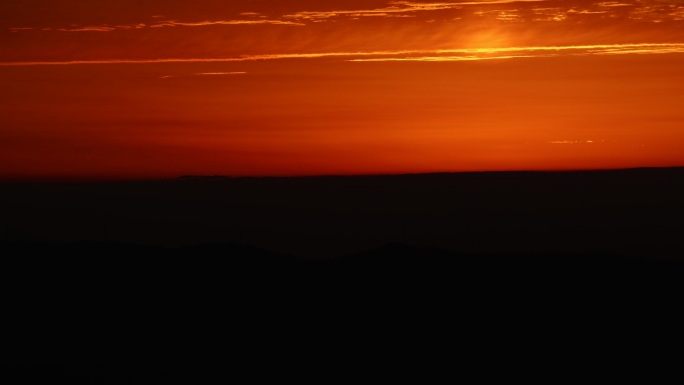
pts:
[137, 89]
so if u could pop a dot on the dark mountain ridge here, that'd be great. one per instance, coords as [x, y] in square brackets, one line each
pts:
[635, 212]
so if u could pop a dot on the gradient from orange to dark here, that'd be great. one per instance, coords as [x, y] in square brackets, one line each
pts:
[156, 89]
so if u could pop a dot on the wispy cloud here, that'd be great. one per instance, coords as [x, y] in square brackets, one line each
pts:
[614, 4]
[204, 74]
[219, 73]
[589, 141]
[174, 23]
[499, 2]
[397, 7]
[449, 58]
[88, 29]
[18, 29]
[467, 54]
[504, 11]
[658, 12]
[534, 52]
[164, 24]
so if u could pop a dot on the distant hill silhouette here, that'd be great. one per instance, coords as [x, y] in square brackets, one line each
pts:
[192, 271]
[633, 212]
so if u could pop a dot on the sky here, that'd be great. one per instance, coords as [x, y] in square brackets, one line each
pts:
[132, 89]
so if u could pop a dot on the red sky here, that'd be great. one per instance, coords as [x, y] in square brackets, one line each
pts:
[138, 89]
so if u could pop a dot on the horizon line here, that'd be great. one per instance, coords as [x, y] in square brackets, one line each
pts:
[311, 176]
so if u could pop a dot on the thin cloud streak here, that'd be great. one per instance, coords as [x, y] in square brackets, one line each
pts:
[537, 52]
[411, 55]
[174, 23]
[393, 8]
[449, 58]
[463, 11]
[88, 29]
[204, 74]
[166, 24]
[219, 73]
[499, 2]
[398, 7]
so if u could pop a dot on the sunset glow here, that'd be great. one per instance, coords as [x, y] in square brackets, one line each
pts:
[155, 89]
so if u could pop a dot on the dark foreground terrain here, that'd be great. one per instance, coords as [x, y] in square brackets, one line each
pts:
[112, 302]
[193, 280]
[635, 212]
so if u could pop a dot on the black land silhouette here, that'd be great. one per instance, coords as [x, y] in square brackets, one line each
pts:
[197, 270]
[635, 212]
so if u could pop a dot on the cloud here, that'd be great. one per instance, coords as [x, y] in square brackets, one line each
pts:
[166, 23]
[614, 4]
[465, 54]
[219, 73]
[448, 58]
[204, 74]
[394, 7]
[400, 9]
[499, 2]
[88, 29]
[658, 12]
[504, 11]
[174, 23]
[397, 7]
[535, 52]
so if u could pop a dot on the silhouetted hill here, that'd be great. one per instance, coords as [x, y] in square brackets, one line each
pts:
[196, 270]
[629, 212]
